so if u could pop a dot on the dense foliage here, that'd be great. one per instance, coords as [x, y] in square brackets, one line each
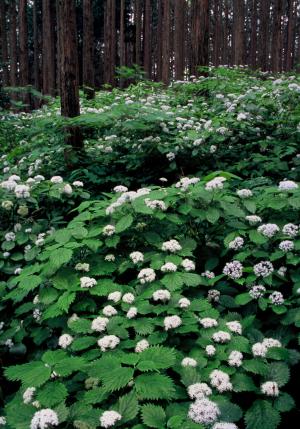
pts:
[172, 304]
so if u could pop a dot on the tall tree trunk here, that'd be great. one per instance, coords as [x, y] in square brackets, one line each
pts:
[225, 59]
[166, 42]
[290, 35]
[159, 32]
[264, 35]
[199, 34]
[238, 32]
[69, 91]
[36, 47]
[217, 31]
[138, 30]
[88, 48]
[179, 31]
[3, 44]
[147, 38]
[49, 47]
[24, 54]
[13, 43]
[276, 39]
[110, 42]
[122, 38]
[253, 44]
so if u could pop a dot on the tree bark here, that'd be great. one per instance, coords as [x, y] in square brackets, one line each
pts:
[88, 49]
[290, 35]
[265, 35]
[36, 47]
[3, 44]
[138, 30]
[179, 19]
[238, 32]
[253, 43]
[276, 39]
[13, 43]
[147, 38]
[48, 48]
[110, 42]
[166, 42]
[199, 34]
[159, 32]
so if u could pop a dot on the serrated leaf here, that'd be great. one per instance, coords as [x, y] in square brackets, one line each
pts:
[153, 416]
[262, 415]
[32, 374]
[52, 394]
[284, 402]
[128, 407]
[116, 378]
[154, 386]
[278, 372]
[160, 357]
[124, 223]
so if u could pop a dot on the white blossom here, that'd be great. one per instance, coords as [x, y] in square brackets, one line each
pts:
[56, 179]
[78, 184]
[172, 322]
[286, 245]
[114, 296]
[128, 298]
[131, 313]
[208, 322]
[2, 421]
[108, 342]
[213, 295]
[208, 274]
[253, 219]
[86, 282]
[28, 395]
[109, 419]
[22, 191]
[257, 291]
[172, 246]
[82, 267]
[146, 275]
[65, 340]
[141, 346]
[268, 229]
[184, 303]
[282, 271]
[185, 182]
[120, 188]
[236, 244]
[271, 342]
[44, 419]
[216, 183]
[188, 265]
[290, 229]
[155, 204]
[136, 257]
[276, 298]
[244, 193]
[110, 257]
[199, 390]
[235, 358]
[233, 269]
[263, 269]
[287, 185]
[168, 267]
[67, 189]
[109, 230]
[99, 324]
[210, 350]
[189, 362]
[109, 311]
[221, 337]
[204, 411]
[270, 388]
[220, 380]
[259, 349]
[224, 425]
[235, 327]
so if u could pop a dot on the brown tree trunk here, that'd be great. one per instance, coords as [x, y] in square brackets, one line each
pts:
[276, 39]
[147, 38]
[24, 54]
[166, 42]
[179, 31]
[253, 44]
[36, 52]
[48, 47]
[69, 91]
[159, 32]
[110, 42]
[290, 35]
[217, 31]
[13, 43]
[88, 49]
[3, 45]
[138, 30]
[265, 35]
[225, 59]
[199, 34]
[238, 32]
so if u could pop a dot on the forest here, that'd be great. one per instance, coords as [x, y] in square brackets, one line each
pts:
[149, 214]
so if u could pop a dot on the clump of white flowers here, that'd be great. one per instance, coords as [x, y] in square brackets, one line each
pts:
[109, 230]
[65, 340]
[276, 298]
[120, 188]
[185, 182]
[168, 267]
[114, 296]
[213, 295]
[141, 346]
[235, 327]
[263, 269]
[199, 390]
[108, 342]
[67, 189]
[28, 395]
[244, 193]
[136, 257]
[287, 185]
[253, 219]
[210, 350]
[82, 267]
[224, 425]
[109, 419]
[270, 388]
[131, 313]
[171, 246]
[235, 358]
[290, 229]
[99, 324]
[208, 322]
[286, 245]
[208, 274]
[128, 298]
[44, 419]
[220, 380]
[86, 282]
[257, 291]
[216, 183]
[109, 311]
[172, 322]
[110, 257]
[188, 362]
[161, 295]
[146, 275]
[156, 204]
[56, 179]
[260, 349]
[188, 265]
[233, 269]
[204, 411]
[22, 191]
[2, 421]
[221, 337]
[236, 244]
[184, 303]
[268, 229]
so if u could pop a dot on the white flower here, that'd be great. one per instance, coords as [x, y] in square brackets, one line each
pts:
[65, 340]
[216, 183]
[168, 267]
[171, 246]
[244, 193]
[155, 204]
[263, 269]
[276, 298]
[141, 346]
[109, 311]
[208, 274]
[210, 350]
[224, 425]
[82, 267]
[120, 188]
[212, 148]
[67, 189]
[86, 282]
[170, 156]
[253, 219]
[286, 245]
[235, 358]
[14, 178]
[136, 257]
[257, 291]
[110, 257]
[28, 395]
[146, 275]
[131, 313]
[172, 322]
[109, 418]
[108, 342]
[6, 254]
[233, 269]
[242, 116]
[161, 295]
[128, 298]
[185, 182]
[268, 229]
[221, 337]
[7, 205]
[2, 421]
[99, 324]
[44, 419]
[236, 244]
[220, 380]
[213, 295]
[270, 388]
[39, 242]
[208, 322]
[18, 271]
[184, 303]
[290, 229]
[114, 296]
[287, 185]
[10, 236]
[259, 349]
[109, 230]
[189, 362]
[188, 265]
[77, 184]
[199, 390]
[22, 191]
[271, 342]
[56, 179]
[204, 411]
[235, 327]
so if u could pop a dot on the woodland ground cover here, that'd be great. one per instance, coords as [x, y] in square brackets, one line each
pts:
[154, 281]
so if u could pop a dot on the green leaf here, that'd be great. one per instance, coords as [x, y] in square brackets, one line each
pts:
[116, 378]
[284, 402]
[154, 386]
[243, 383]
[83, 343]
[158, 356]
[128, 407]
[60, 257]
[69, 365]
[262, 415]
[52, 394]
[153, 416]
[32, 374]
[30, 283]
[243, 299]
[278, 372]
[124, 223]
[229, 412]
[212, 214]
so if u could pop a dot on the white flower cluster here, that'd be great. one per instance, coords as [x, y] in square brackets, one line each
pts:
[216, 183]
[109, 311]
[168, 267]
[172, 322]
[110, 257]
[126, 197]
[235, 358]
[155, 204]
[221, 337]
[185, 182]
[210, 350]
[128, 298]
[171, 246]
[10, 236]
[199, 390]
[204, 411]
[141, 346]
[268, 229]
[270, 388]
[161, 295]
[86, 282]
[235, 327]
[109, 230]
[184, 303]
[44, 419]
[282, 271]
[28, 395]
[2, 421]
[260, 349]
[290, 229]
[99, 324]
[244, 193]
[114, 296]
[233, 269]
[22, 191]
[253, 219]
[220, 380]
[208, 322]
[236, 244]
[188, 265]
[224, 425]
[120, 188]
[213, 295]
[108, 342]
[287, 185]
[208, 274]
[257, 291]
[65, 340]
[146, 275]
[131, 313]
[109, 419]
[56, 179]
[263, 269]
[276, 298]
[136, 257]
[189, 362]
[82, 267]
[286, 245]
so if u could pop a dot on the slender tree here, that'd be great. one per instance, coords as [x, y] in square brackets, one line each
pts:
[3, 44]
[179, 33]
[199, 35]
[290, 40]
[148, 38]
[110, 42]
[49, 83]
[36, 46]
[138, 30]
[159, 33]
[253, 41]
[276, 36]
[166, 42]
[13, 44]
[88, 48]
[264, 35]
[238, 32]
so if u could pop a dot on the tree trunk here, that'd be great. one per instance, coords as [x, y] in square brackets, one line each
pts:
[69, 91]
[253, 44]
[110, 42]
[147, 38]
[24, 54]
[3, 44]
[13, 43]
[159, 32]
[276, 39]
[290, 35]
[166, 42]
[48, 48]
[265, 34]
[138, 30]
[199, 34]
[238, 32]
[179, 18]
[88, 49]
[217, 31]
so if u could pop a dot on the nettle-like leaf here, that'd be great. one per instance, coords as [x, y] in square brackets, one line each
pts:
[128, 407]
[153, 416]
[116, 378]
[262, 415]
[33, 374]
[278, 372]
[155, 358]
[154, 386]
[51, 394]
